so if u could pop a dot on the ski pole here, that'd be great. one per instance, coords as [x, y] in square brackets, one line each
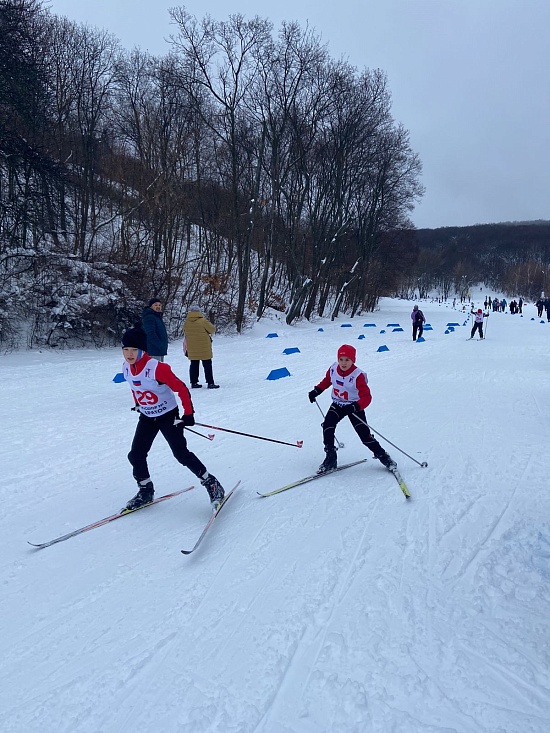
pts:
[196, 432]
[422, 465]
[297, 444]
[340, 445]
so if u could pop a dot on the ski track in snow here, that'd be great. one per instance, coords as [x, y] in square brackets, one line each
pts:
[335, 607]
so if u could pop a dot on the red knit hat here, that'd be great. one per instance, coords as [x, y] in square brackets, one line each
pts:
[347, 350]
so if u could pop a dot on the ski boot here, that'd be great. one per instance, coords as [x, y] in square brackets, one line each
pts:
[330, 462]
[144, 495]
[387, 461]
[215, 490]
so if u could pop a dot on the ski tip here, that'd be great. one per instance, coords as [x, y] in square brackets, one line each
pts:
[211, 436]
[423, 464]
[299, 443]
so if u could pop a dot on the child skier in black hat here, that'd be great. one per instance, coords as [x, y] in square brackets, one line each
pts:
[350, 396]
[153, 385]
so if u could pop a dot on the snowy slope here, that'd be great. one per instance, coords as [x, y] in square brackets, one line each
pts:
[337, 606]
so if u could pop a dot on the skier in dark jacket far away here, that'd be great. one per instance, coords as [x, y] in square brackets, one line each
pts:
[350, 396]
[153, 385]
[153, 325]
[418, 321]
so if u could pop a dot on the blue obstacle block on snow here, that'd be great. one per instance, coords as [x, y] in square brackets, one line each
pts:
[397, 329]
[427, 327]
[361, 336]
[292, 350]
[278, 373]
[382, 348]
[383, 331]
[369, 325]
[391, 325]
[533, 318]
[345, 325]
[542, 321]
[320, 329]
[272, 336]
[420, 340]
[453, 324]
[118, 378]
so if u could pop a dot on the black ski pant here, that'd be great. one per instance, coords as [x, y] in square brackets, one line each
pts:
[194, 371]
[418, 329]
[477, 327]
[147, 430]
[359, 421]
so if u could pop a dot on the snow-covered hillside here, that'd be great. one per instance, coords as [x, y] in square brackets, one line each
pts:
[336, 607]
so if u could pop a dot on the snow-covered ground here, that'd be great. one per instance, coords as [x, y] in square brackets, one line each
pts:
[335, 607]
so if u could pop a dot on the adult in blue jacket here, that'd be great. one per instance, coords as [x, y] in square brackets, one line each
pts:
[153, 325]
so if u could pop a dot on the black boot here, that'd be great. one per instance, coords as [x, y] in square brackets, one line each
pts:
[144, 496]
[330, 462]
[214, 488]
[387, 461]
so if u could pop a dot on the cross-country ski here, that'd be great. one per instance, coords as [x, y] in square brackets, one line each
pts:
[106, 520]
[211, 521]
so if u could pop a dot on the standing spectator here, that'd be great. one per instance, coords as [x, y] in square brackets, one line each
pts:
[547, 307]
[520, 305]
[418, 321]
[153, 325]
[540, 306]
[198, 336]
[503, 305]
[478, 322]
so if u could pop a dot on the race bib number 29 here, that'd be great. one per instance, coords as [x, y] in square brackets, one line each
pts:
[146, 397]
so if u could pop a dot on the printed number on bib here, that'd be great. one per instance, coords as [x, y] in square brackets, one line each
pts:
[342, 394]
[146, 397]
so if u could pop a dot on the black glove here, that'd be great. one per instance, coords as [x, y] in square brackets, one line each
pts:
[351, 409]
[315, 392]
[188, 420]
[135, 408]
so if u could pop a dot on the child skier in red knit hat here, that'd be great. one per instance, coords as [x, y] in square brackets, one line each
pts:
[350, 396]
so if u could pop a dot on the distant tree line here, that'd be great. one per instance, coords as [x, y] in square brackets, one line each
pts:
[513, 258]
[245, 169]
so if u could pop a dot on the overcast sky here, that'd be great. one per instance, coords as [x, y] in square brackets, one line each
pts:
[469, 79]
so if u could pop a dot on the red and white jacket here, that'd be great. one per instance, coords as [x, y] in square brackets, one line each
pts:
[153, 384]
[347, 387]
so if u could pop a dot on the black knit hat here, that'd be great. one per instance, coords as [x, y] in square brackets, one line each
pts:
[154, 300]
[135, 338]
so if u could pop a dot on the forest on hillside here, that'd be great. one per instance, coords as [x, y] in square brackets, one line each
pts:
[512, 257]
[245, 170]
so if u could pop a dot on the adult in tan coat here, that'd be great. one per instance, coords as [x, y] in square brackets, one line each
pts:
[198, 347]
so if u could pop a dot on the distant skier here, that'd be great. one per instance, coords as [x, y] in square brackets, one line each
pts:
[540, 307]
[418, 321]
[350, 396]
[153, 384]
[479, 315]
